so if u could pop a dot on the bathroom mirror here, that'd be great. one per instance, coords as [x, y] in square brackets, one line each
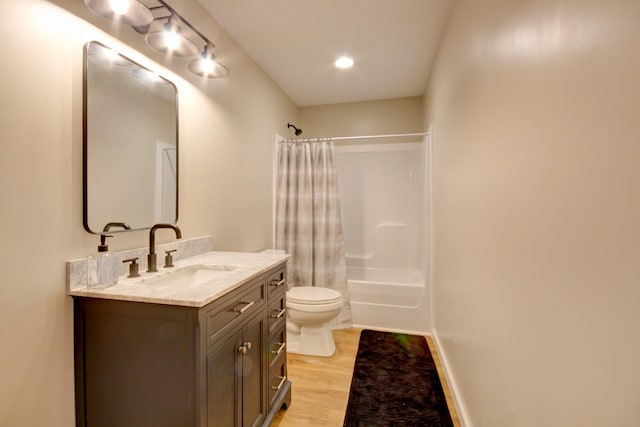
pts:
[130, 139]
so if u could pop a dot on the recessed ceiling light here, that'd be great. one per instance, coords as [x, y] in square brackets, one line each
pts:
[344, 62]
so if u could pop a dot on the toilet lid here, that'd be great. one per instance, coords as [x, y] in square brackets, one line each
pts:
[313, 295]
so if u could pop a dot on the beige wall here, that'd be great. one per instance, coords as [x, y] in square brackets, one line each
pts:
[388, 116]
[226, 131]
[536, 210]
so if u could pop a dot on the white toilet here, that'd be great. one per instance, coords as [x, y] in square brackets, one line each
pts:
[310, 310]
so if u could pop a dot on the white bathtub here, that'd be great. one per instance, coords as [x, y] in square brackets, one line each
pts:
[388, 299]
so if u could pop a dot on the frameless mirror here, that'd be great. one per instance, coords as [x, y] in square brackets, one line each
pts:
[130, 138]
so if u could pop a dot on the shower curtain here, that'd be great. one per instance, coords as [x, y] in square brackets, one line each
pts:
[308, 219]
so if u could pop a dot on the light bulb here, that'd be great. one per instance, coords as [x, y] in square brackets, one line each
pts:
[172, 40]
[119, 7]
[344, 62]
[207, 65]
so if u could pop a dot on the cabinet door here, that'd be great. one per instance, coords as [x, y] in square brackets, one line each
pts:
[253, 373]
[223, 394]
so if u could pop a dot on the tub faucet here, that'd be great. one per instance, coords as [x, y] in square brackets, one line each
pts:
[152, 258]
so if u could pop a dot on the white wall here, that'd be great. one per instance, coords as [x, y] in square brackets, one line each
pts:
[226, 134]
[535, 108]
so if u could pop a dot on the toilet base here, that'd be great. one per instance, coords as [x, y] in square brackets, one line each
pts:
[311, 340]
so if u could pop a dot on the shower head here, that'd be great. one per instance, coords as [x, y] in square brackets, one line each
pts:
[297, 131]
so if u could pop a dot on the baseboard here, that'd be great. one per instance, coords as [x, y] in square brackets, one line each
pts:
[461, 408]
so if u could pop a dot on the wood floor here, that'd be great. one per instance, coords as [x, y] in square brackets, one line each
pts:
[320, 385]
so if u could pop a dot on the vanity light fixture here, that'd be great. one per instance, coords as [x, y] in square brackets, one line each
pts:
[130, 12]
[120, 7]
[165, 30]
[171, 39]
[207, 65]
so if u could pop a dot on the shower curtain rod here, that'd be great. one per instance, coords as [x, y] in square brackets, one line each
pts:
[344, 138]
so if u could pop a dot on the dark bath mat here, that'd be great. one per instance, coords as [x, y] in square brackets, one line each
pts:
[395, 383]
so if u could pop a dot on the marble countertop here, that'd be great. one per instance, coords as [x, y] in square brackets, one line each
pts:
[236, 269]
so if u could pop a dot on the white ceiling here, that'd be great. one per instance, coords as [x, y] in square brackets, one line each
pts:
[393, 44]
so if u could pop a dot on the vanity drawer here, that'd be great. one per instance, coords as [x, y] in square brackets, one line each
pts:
[277, 312]
[276, 283]
[234, 309]
[277, 347]
[277, 379]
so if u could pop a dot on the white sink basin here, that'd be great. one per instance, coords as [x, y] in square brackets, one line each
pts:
[194, 275]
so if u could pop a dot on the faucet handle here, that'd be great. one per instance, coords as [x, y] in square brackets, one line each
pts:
[168, 259]
[133, 267]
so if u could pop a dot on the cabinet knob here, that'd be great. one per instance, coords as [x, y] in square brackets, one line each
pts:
[245, 347]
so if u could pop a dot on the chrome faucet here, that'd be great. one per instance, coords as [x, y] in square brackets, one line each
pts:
[152, 258]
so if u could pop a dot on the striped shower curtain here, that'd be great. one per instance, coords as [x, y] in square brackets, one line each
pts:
[308, 219]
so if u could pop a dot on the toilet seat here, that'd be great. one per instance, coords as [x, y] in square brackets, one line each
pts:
[313, 295]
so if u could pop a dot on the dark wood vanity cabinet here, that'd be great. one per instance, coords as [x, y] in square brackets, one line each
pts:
[277, 382]
[146, 364]
[236, 396]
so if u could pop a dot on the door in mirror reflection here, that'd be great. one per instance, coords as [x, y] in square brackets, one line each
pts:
[130, 143]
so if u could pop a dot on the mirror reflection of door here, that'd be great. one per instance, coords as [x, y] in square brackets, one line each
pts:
[166, 178]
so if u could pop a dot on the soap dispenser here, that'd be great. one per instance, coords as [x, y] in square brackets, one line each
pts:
[102, 268]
